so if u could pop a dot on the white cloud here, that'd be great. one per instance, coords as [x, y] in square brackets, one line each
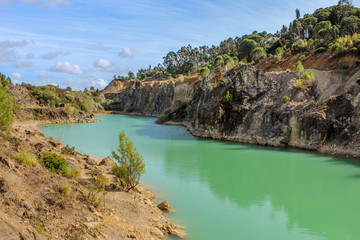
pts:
[103, 63]
[55, 3]
[12, 44]
[4, 2]
[23, 64]
[126, 53]
[30, 56]
[99, 47]
[100, 83]
[29, 1]
[66, 67]
[7, 55]
[52, 55]
[16, 77]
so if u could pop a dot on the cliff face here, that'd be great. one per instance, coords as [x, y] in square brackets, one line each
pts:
[323, 115]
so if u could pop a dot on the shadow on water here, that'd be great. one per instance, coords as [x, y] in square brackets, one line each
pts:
[164, 132]
[346, 161]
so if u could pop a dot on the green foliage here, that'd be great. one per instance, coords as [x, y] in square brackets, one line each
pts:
[5, 81]
[257, 54]
[26, 158]
[246, 47]
[75, 100]
[319, 31]
[299, 45]
[68, 110]
[204, 72]
[305, 79]
[181, 78]
[298, 66]
[6, 111]
[57, 164]
[302, 58]
[102, 182]
[68, 150]
[228, 98]
[131, 163]
[358, 81]
[285, 98]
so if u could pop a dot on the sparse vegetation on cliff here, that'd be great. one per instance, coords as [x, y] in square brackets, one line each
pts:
[57, 164]
[6, 107]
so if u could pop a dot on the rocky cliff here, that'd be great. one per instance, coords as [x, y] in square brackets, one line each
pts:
[263, 108]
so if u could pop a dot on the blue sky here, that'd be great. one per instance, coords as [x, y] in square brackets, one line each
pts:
[83, 43]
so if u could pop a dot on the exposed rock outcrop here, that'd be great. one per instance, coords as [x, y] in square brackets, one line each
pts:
[322, 115]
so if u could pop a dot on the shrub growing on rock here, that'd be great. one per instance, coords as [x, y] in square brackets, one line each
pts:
[285, 98]
[228, 98]
[298, 66]
[57, 164]
[131, 163]
[7, 111]
[26, 158]
[68, 150]
[305, 79]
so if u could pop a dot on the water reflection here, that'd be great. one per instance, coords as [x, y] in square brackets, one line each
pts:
[233, 191]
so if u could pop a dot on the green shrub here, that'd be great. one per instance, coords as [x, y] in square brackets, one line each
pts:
[302, 58]
[308, 76]
[321, 50]
[131, 163]
[6, 111]
[305, 79]
[68, 150]
[228, 98]
[358, 81]
[26, 158]
[57, 164]
[204, 72]
[285, 98]
[257, 54]
[298, 66]
[336, 47]
[181, 78]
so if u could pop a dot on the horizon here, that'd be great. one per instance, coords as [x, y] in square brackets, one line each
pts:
[75, 44]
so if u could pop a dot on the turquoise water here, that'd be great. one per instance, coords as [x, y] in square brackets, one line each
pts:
[233, 191]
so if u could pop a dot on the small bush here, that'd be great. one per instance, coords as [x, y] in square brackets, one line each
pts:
[131, 163]
[298, 66]
[285, 98]
[57, 164]
[358, 81]
[308, 76]
[228, 98]
[321, 50]
[302, 58]
[204, 72]
[181, 78]
[64, 189]
[305, 79]
[26, 158]
[68, 150]
[299, 83]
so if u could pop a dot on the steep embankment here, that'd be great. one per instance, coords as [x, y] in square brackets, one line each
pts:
[37, 203]
[265, 108]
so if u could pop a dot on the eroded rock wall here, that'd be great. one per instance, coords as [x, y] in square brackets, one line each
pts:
[323, 115]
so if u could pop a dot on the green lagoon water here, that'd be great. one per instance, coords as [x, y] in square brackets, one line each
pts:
[233, 191]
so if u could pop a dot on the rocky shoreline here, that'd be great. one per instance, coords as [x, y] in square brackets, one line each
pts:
[266, 108]
[33, 206]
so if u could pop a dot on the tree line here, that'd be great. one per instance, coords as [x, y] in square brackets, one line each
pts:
[334, 28]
